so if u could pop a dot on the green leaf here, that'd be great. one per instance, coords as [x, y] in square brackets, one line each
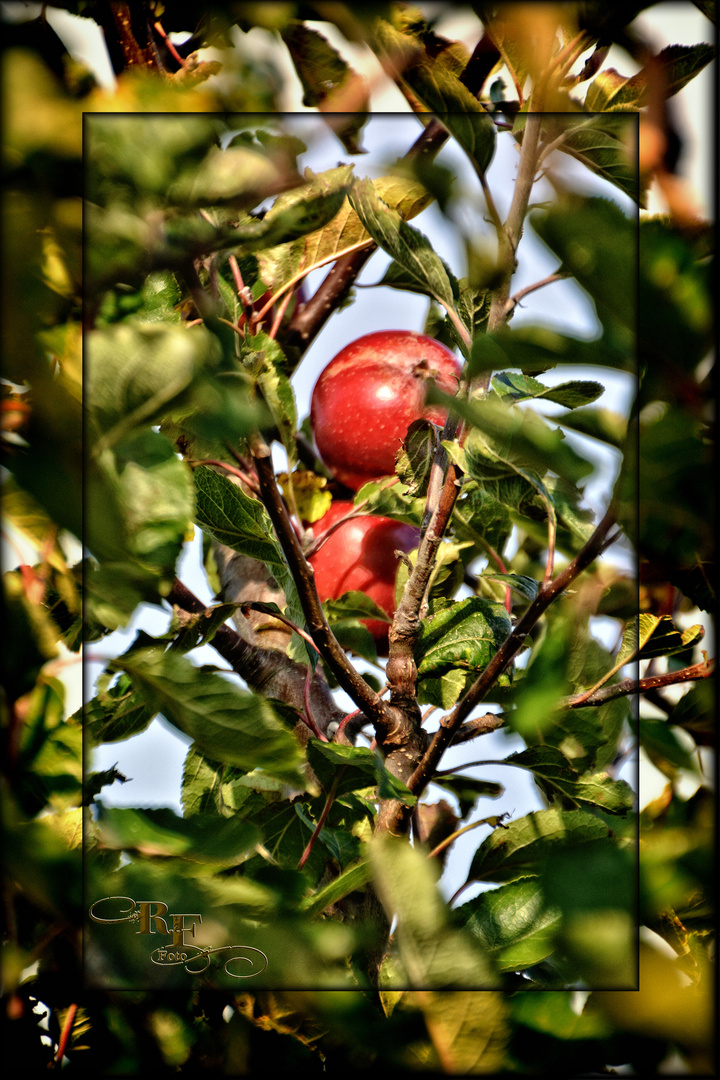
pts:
[468, 789]
[512, 924]
[354, 605]
[241, 523]
[551, 767]
[140, 505]
[279, 264]
[433, 953]
[239, 176]
[523, 847]
[594, 887]
[361, 766]
[323, 72]
[407, 245]
[526, 586]
[601, 424]
[32, 642]
[663, 747]
[138, 372]
[415, 457]
[267, 364]
[597, 244]
[433, 77]
[116, 712]
[537, 348]
[201, 839]
[466, 636]
[519, 387]
[612, 91]
[390, 501]
[351, 879]
[518, 440]
[227, 724]
[551, 1014]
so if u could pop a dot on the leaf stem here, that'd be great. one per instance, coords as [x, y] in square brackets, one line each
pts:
[323, 817]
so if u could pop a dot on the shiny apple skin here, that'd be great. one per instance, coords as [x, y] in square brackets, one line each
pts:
[360, 555]
[369, 394]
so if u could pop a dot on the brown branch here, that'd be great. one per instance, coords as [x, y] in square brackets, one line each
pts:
[479, 725]
[65, 1034]
[332, 653]
[625, 687]
[451, 723]
[267, 671]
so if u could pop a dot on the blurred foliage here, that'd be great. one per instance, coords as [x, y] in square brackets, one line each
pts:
[207, 173]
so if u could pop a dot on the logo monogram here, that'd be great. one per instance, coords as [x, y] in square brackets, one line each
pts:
[151, 917]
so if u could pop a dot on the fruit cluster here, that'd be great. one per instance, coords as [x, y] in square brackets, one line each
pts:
[362, 406]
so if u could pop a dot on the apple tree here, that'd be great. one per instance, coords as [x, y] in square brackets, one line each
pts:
[397, 580]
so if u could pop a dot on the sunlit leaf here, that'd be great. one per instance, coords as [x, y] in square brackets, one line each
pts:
[610, 90]
[407, 245]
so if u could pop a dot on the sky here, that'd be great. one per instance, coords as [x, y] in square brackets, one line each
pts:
[153, 760]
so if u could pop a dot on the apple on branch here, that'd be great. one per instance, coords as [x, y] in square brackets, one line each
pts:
[368, 396]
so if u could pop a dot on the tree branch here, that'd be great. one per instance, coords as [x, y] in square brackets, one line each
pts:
[625, 687]
[507, 652]
[267, 671]
[513, 228]
[332, 653]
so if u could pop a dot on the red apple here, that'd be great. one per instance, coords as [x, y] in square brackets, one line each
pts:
[369, 395]
[360, 555]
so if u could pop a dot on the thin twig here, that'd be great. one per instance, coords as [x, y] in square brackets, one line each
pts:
[359, 246]
[522, 293]
[309, 719]
[248, 480]
[625, 687]
[65, 1034]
